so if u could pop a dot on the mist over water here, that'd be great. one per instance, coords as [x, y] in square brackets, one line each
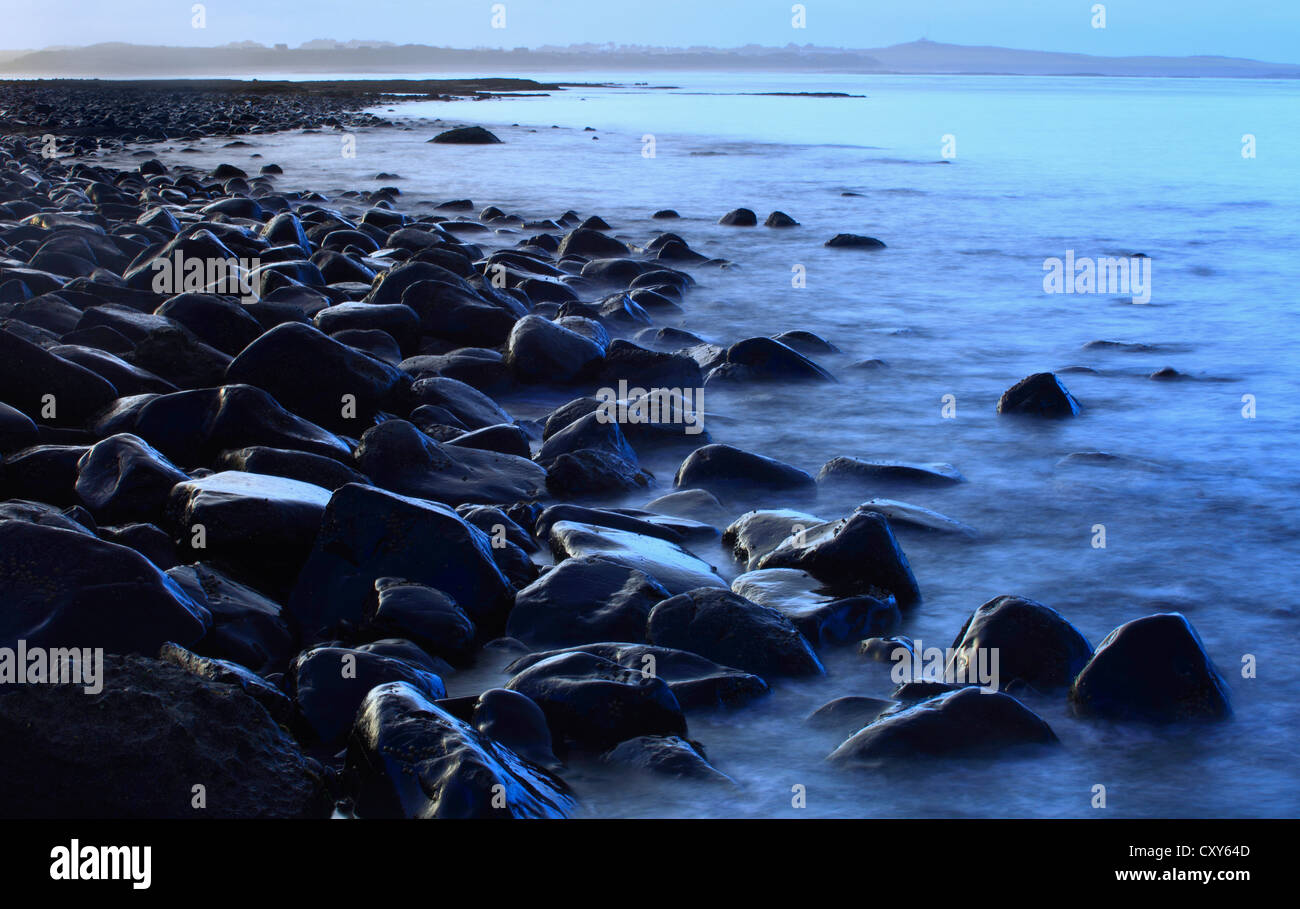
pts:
[1202, 521]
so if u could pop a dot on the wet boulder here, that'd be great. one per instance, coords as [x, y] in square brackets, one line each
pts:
[515, 721]
[541, 352]
[756, 533]
[328, 684]
[593, 704]
[412, 759]
[848, 714]
[1036, 646]
[739, 217]
[696, 682]
[722, 468]
[584, 600]
[670, 565]
[69, 589]
[855, 556]
[766, 359]
[368, 533]
[400, 458]
[318, 378]
[17, 431]
[38, 382]
[962, 724]
[821, 619]
[854, 241]
[466, 135]
[664, 755]
[123, 479]
[302, 466]
[423, 615]
[1153, 669]
[152, 733]
[275, 701]
[248, 627]
[265, 524]
[729, 629]
[860, 471]
[1039, 395]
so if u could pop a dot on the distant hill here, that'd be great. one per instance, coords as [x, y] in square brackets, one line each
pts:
[327, 56]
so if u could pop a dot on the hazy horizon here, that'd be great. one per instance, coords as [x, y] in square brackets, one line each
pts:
[1258, 29]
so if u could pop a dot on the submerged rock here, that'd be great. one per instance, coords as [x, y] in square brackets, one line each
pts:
[665, 755]
[466, 135]
[722, 468]
[859, 470]
[821, 619]
[1040, 395]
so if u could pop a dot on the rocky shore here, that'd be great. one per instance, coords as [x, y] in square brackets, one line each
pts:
[256, 449]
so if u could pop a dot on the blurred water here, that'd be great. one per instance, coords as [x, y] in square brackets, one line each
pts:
[955, 306]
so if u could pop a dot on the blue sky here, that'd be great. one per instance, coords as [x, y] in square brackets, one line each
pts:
[1263, 29]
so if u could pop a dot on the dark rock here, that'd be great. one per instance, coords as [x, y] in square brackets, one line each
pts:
[39, 383]
[276, 703]
[672, 566]
[848, 714]
[1153, 669]
[724, 469]
[147, 739]
[68, 589]
[400, 458]
[665, 755]
[821, 619]
[17, 430]
[854, 241]
[584, 600]
[697, 683]
[367, 534]
[539, 351]
[295, 465]
[466, 135]
[780, 219]
[592, 703]
[412, 759]
[515, 721]
[150, 541]
[247, 627]
[423, 615]
[328, 685]
[756, 533]
[122, 479]
[740, 217]
[1036, 646]
[858, 555]
[960, 724]
[317, 377]
[721, 626]
[861, 471]
[1041, 394]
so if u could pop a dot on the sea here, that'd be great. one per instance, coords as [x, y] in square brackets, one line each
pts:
[975, 184]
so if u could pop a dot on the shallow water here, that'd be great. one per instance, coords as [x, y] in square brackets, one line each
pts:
[955, 306]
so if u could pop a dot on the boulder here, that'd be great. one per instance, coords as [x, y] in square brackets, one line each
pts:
[727, 628]
[69, 589]
[123, 479]
[584, 600]
[676, 569]
[723, 469]
[1039, 395]
[153, 733]
[1036, 646]
[854, 556]
[962, 724]
[367, 534]
[593, 704]
[412, 759]
[1153, 669]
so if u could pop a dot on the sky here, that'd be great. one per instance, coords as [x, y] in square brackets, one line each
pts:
[1260, 29]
